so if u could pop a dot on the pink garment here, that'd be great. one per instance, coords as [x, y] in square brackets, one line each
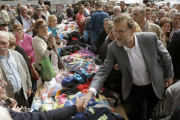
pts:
[27, 46]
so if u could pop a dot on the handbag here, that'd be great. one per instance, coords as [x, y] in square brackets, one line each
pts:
[158, 110]
[47, 71]
[35, 74]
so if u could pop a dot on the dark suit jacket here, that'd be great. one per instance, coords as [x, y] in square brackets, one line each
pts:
[153, 52]
[103, 49]
[174, 51]
[64, 113]
[101, 38]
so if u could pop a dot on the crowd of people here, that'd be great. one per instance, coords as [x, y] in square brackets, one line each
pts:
[139, 46]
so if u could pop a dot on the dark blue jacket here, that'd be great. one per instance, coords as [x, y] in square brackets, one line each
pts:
[59, 114]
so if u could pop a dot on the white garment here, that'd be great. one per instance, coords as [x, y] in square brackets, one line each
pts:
[26, 24]
[140, 75]
[87, 11]
[5, 16]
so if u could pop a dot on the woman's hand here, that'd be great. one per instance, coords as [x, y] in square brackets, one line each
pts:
[29, 93]
[64, 42]
[51, 41]
[29, 57]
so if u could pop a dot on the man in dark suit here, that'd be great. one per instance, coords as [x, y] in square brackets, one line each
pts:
[174, 51]
[143, 61]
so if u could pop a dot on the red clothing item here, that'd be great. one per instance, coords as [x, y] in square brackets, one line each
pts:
[80, 17]
[26, 44]
[84, 86]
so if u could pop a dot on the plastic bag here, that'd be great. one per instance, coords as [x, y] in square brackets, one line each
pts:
[47, 71]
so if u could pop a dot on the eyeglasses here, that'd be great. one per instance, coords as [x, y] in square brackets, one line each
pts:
[120, 32]
[43, 26]
[18, 29]
[3, 43]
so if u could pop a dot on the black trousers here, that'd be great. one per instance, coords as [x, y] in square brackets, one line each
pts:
[142, 102]
[21, 100]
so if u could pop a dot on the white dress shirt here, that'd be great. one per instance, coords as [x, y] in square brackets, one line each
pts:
[12, 70]
[87, 11]
[26, 24]
[140, 75]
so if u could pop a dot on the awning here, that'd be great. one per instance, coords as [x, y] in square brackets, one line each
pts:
[64, 1]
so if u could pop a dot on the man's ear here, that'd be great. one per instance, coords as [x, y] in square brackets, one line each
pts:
[144, 14]
[133, 30]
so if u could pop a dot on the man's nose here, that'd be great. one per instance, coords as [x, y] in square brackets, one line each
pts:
[4, 84]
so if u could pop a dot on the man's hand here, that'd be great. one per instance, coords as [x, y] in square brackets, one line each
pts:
[168, 82]
[87, 98]
[79, 103]
[28, 17]
[29, 93]
[15, 108]
[116, 67]
[13, 102]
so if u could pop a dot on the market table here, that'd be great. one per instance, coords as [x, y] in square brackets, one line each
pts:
[119, 108]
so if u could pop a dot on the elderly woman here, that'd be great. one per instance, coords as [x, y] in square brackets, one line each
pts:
[14, 46]
[24, 41]
[46, 45]
[166, 26]
[52, 21]
[103, 34]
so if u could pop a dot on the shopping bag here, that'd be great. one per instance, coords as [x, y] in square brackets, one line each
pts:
[47, 71]
[35, 74]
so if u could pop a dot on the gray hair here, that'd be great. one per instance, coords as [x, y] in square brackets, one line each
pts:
[86, 4]
[117, 7]
[173, 11]
[175, 14]
[23, 6]
[142, 9]
[105, 20]
[5, 34]
[110, 27]
[4, 114]
[43, 5]
[142, 6]
[162, 10]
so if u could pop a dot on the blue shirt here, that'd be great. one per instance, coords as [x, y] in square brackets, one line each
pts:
[60, 35]
[96, 23]
[12, 70]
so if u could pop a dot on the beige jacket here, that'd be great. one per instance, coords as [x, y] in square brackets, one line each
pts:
[5, 16]
[151, 27]
[23, 72]
[40, 48]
